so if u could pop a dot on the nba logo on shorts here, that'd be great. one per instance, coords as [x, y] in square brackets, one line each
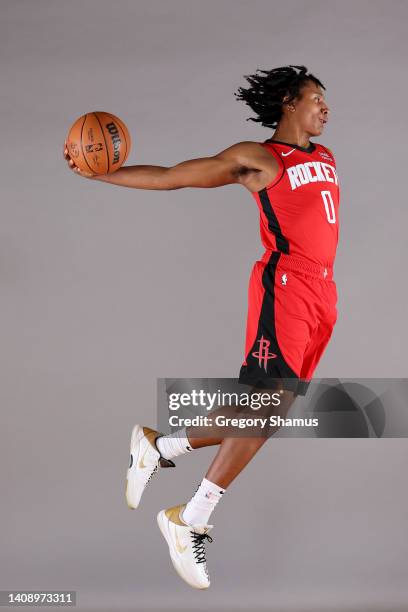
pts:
[284, 279]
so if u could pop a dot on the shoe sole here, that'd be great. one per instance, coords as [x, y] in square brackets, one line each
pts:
[137, 435]
[162, 522]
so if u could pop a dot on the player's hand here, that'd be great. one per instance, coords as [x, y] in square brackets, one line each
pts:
[72, 165]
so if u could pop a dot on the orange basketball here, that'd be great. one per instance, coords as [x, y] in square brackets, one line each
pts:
[98, 143]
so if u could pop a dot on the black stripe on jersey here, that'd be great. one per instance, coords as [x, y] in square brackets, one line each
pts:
[282, 243]
[277, 368]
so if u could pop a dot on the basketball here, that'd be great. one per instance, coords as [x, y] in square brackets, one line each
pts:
[98, 142]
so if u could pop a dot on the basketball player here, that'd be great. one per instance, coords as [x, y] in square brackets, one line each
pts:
[292, 294]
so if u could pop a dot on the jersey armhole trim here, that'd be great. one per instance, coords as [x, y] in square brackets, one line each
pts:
[280, 173]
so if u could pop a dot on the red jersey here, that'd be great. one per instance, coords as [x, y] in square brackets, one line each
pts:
[299, 209]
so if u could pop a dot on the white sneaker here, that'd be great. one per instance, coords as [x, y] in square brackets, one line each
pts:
[144, 462]
[186, 546]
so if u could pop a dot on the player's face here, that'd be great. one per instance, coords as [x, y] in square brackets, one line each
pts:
[311, 109]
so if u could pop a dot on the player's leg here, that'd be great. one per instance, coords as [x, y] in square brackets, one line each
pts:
[214, 434]
[234, 453]
[149, 449]
[185, 527]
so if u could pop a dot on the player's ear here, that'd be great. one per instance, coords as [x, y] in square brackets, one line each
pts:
[289, 105]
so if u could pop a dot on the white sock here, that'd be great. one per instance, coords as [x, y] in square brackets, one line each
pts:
[199, 508]
[173, 445]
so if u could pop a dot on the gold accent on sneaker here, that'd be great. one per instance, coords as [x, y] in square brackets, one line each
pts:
[174, 515]
[151, 435]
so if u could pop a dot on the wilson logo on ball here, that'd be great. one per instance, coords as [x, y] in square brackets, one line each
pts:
[116, 141]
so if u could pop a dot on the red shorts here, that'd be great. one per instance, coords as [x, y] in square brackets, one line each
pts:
[291, 316]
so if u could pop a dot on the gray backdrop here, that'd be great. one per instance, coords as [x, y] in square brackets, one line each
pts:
[105, 289]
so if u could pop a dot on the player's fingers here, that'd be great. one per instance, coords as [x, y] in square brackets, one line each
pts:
[72, 165]
[82, 172]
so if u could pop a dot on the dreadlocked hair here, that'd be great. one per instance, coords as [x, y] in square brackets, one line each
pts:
[266, 93]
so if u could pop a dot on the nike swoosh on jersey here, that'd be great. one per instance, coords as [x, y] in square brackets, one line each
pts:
[288, 153]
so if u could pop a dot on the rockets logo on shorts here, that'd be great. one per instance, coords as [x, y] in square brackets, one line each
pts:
[263, 355]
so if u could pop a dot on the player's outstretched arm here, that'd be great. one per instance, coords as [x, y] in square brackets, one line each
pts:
[224, 168]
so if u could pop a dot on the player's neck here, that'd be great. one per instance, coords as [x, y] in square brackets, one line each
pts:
[291, 134]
